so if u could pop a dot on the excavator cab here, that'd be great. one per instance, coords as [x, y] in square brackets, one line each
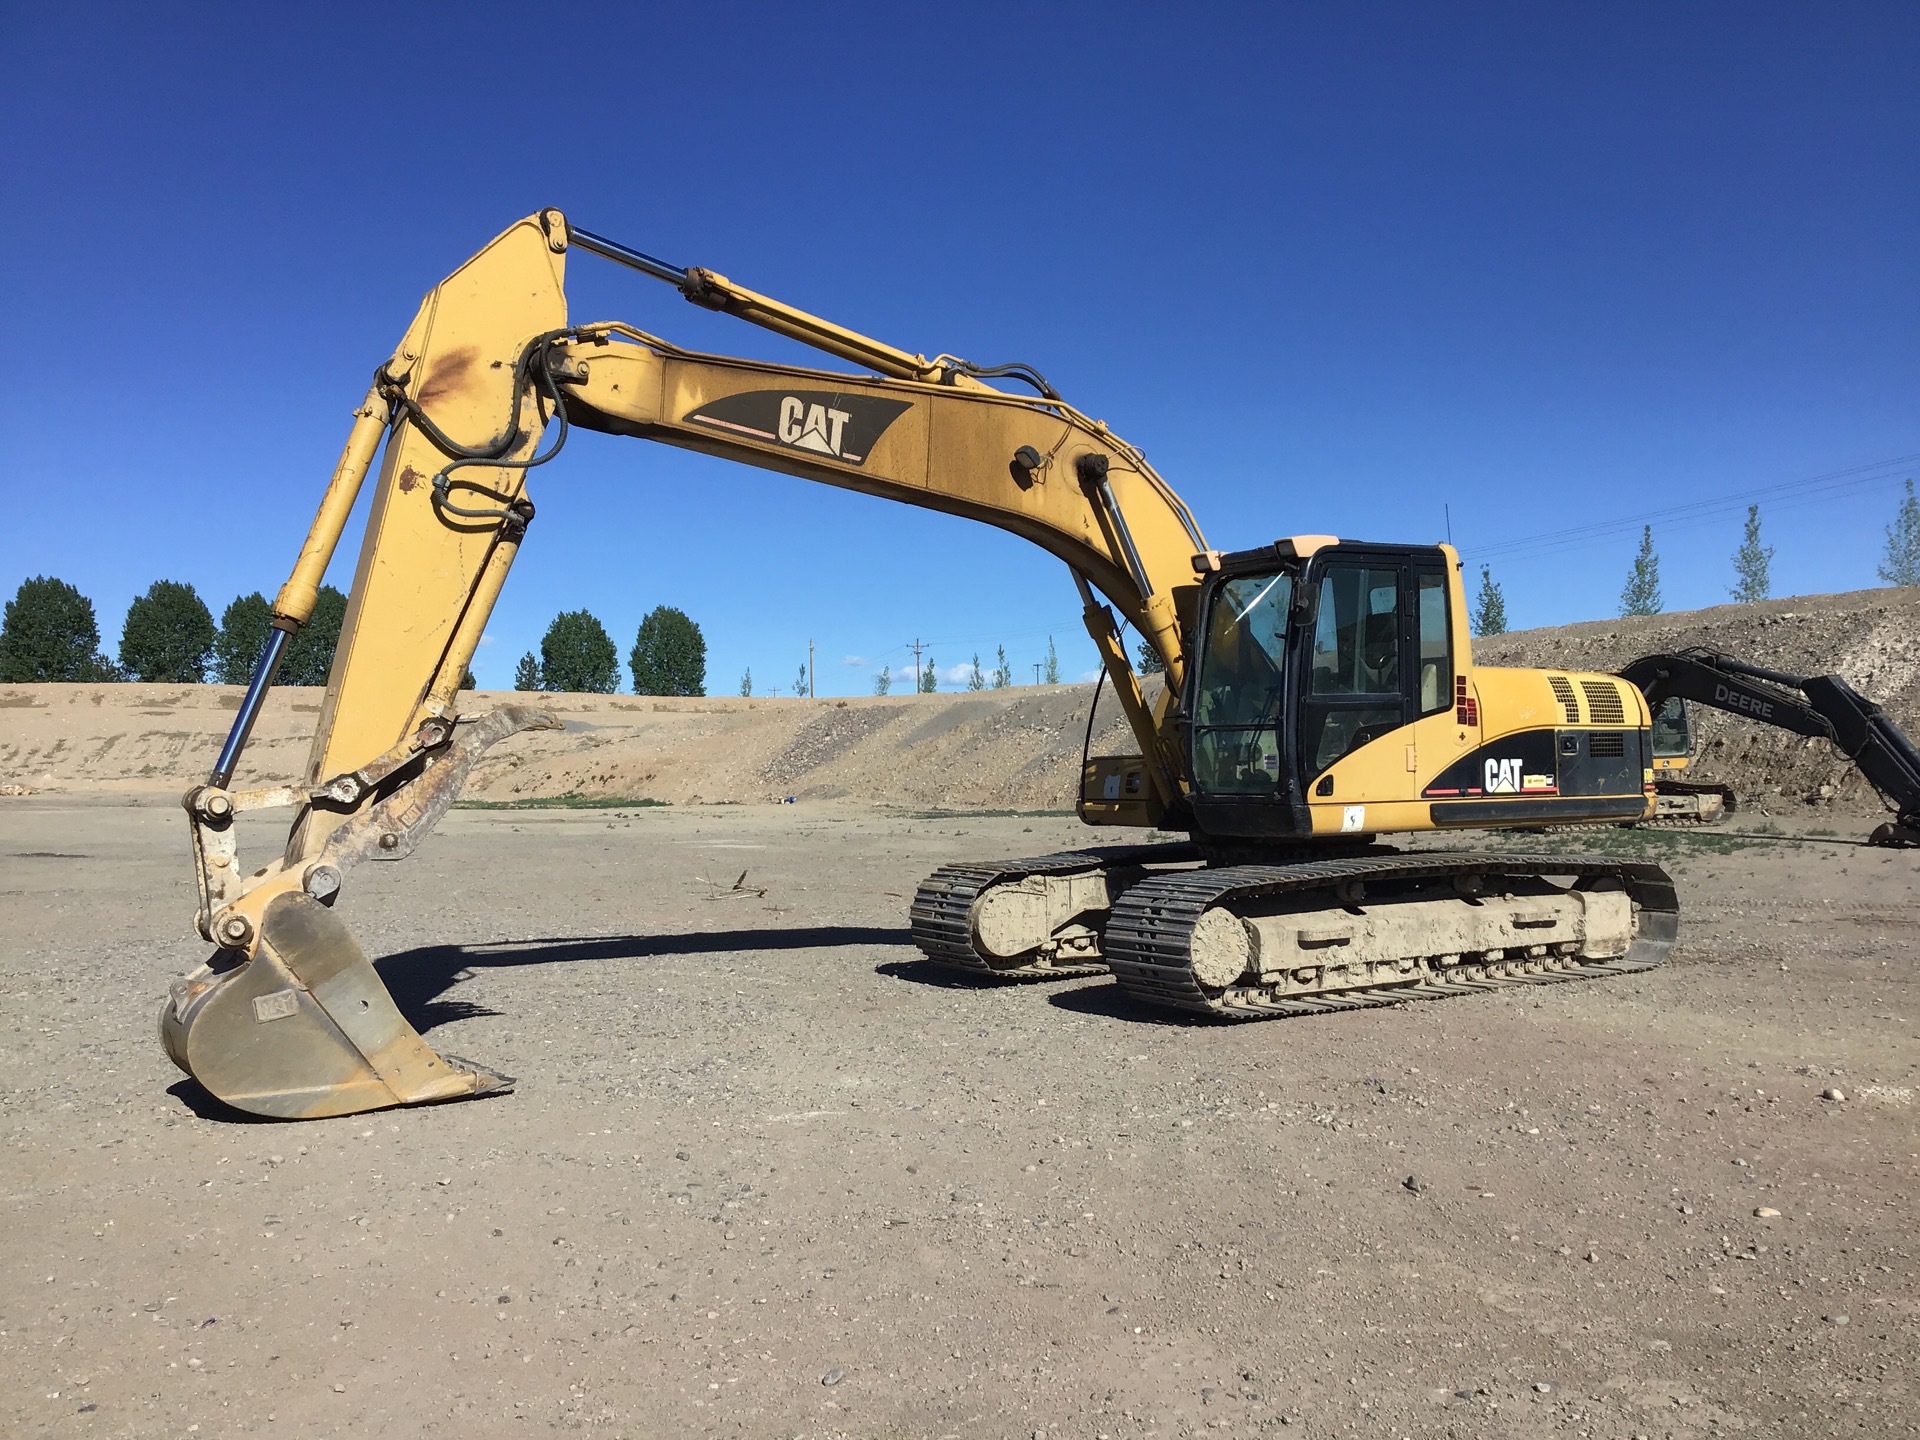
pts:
[1310, 651]
[1672, 734]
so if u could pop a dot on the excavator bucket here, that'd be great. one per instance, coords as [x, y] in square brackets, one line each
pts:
[293, 1022]
[305, 1029]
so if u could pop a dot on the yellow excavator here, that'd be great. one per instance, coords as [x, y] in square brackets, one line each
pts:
[1318, 693]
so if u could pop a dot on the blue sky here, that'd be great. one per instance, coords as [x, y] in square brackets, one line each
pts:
[1337, 268]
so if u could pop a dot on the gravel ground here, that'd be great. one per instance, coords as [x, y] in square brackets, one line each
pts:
[766, 1174]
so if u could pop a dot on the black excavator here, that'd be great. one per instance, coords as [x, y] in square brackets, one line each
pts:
[1824, 706]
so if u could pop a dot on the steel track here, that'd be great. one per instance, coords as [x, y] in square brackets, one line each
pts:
[1149, 931]
[942, 912]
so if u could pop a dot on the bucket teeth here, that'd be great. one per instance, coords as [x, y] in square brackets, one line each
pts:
[305, 1029]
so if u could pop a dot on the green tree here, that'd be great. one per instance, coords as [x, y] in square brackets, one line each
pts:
[1902, 563]
[1642, 593]
[1489, 607]
[669, 655]
[1752, 563]
[243, 635]
[1149, 659]
[49, 634]
[577, 656]
[167, 635]
[883, 682]
[526, 675]
[746, 682]
[1052, 671]
[976, 680]
[310, 655]
[468, 682]
[800, 683]
[1002, 672]
[929, 680]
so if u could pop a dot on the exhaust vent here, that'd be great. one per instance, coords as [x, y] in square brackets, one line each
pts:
[1607, 744]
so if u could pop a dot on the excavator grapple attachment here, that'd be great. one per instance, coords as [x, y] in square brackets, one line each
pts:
[305, 1029]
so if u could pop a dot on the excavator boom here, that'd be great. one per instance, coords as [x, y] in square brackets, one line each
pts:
[288, 1018]
[1825, 707]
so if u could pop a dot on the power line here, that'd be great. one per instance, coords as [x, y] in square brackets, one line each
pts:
[1813, 490]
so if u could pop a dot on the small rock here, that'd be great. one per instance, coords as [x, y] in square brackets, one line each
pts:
[1563, 1250]
[1833, 1092]
[1766, 1212]
[339, 1389]
[1540, 1387]
[1412, 1182]
[195, 1363]
[1593, 1257]
[833, 1376]
[444, 1180]
[1834, 1319]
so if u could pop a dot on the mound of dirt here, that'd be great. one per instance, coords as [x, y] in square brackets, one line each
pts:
[1014, 749]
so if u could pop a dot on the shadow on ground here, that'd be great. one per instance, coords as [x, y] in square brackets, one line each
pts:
[948, 977]
[419, 979]
[1109, 1001]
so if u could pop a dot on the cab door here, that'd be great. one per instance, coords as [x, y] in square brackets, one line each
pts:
[1377, 653]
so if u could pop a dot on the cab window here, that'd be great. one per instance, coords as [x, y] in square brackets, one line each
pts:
[1238, 691]
[1356, 641]
[1355, 693]
[1436, 649]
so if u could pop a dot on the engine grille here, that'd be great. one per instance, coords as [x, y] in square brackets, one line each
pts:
[1563, 692]
[1604, 705]
[1607, 744]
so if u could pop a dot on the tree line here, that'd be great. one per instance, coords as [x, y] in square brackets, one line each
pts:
[50, 634]
[577, 655]
[169, 636]
[1752, 569]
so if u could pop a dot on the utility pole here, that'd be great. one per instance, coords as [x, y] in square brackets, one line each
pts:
[811, 692]
[917, 646]
[1036, 672]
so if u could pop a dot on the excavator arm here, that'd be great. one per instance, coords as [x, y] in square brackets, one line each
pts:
[1821, 706]
[288, 1018]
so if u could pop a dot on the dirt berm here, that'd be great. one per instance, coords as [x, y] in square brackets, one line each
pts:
[1016, 749]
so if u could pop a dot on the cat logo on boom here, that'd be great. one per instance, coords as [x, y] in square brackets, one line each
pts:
[811, 427]
[835, 425]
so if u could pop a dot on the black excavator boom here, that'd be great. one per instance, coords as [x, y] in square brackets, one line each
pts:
[1818, 705]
